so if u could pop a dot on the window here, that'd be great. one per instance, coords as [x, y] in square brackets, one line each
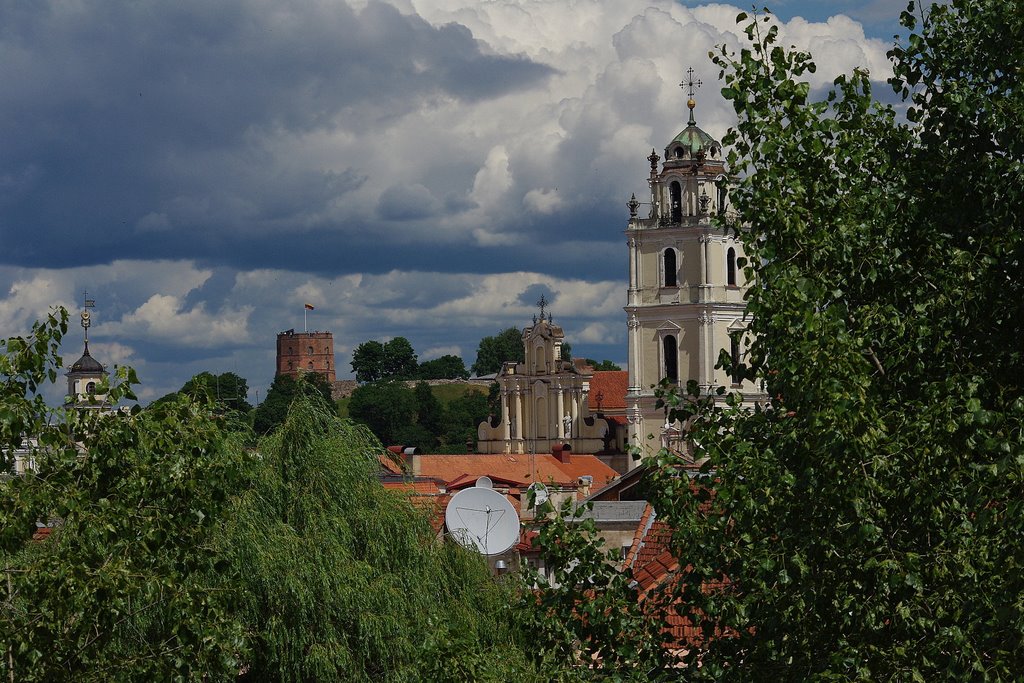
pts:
[670, 351]
[90, 388]
[734, 354]
[675, 191]
[309, 350]
[669, 266]
[310, 365]
[722, 194]
[730, 267]
[291, 365]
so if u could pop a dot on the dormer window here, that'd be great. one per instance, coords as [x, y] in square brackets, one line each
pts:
[679, 153]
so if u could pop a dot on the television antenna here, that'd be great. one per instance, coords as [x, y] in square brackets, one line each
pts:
[482, 519]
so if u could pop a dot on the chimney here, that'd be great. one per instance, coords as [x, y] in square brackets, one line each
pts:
[562, 451]
[412, 460]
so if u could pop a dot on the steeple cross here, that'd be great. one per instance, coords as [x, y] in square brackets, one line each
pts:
[543, 303]
[690, 84]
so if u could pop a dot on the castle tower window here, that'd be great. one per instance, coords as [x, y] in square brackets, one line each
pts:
[310, 365]
[730, 267]
[675, 191]
[670, 268]
[309, 350]
[671, 353]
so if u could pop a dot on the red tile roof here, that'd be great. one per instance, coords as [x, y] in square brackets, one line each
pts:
[515, 470]
[658, 573]
[613, 385]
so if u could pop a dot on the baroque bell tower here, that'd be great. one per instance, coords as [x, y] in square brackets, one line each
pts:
[87, 374]
[685, 298]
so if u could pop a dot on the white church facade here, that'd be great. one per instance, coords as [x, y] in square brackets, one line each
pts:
[544, 401]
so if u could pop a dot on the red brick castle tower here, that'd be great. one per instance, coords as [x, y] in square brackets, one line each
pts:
[306, 351]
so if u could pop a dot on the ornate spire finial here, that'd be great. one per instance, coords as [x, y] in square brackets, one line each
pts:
[86, 316]
[690, 85]
[632, 205]
[543, 303]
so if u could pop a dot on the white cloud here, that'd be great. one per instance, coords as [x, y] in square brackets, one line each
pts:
[164, 318]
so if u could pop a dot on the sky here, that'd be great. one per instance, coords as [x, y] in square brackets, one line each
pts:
[416, 168]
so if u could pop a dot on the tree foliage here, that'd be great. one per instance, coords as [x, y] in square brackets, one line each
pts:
[373, 361]
[283, 390]
[492, 352]
[126, 586]
[445, 367]
[869, 515]
[603, 365]
[175, 554]
[385, 407]
[228, 390]
[344, 581]
[368, 361]
[584, 615]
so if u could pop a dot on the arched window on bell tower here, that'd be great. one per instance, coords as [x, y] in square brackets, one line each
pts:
[670, 268]
[730, 267]
[670, 351]
[675, 191]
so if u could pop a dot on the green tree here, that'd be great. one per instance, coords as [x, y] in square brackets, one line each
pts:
[603, 365]
[228, 389]
[462, 418]
[399, 359]
[344, 581]
[368, 361]
[445, 367]
[584, 617]
[385, 407]
[869, 516]
[373, 361]
[493, 351]
[126, 587]
[283, 390]
[429, 411]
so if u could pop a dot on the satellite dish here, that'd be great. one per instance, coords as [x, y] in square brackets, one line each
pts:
[484, 482]
[482, 519]
[540, 493]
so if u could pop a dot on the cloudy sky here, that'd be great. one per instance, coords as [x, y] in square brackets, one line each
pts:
[417, 168]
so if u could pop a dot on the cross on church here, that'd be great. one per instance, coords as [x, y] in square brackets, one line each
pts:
[543, 304]
[690, 83]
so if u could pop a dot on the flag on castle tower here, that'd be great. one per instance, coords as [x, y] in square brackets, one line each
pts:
[309, 307]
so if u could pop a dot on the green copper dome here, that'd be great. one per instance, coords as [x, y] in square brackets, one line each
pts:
[693, 139]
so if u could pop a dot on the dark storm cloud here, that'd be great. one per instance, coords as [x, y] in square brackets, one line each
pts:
[136, 130]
